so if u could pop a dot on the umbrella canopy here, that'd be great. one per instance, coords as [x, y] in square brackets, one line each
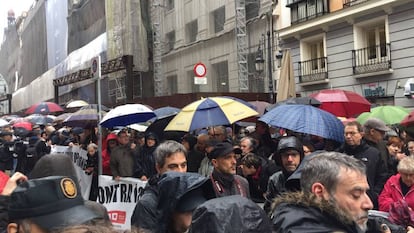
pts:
[138, 127]
[44, 108]
[76, 104]
[24, 124]
[3, 122]
[165, 112]
[389, 114]
[210, 112]
[260, 106]
[95, 106]
[60, 118]
[408, 120]
[296, 100]
[342, 103]
[305, 119]
[127, 114]
[84, 118]
[39, 119]
[287, 85]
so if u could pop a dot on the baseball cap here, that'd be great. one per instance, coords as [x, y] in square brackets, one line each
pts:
[221, 149]
[375, 123]
[50, 202]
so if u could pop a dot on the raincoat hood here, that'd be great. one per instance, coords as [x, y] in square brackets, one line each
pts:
[230, 214]
[173, 186]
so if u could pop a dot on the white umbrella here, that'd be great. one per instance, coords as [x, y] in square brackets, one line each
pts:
[127, 114]
[77, 104]
[3, 122]
[138, 127]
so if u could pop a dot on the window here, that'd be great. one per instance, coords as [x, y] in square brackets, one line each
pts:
[221, 76]
[137, 85]
[313, 64]
[219, 17]
[192, 31]
[172, 87]
[170, 37]
[304, 10]
[372, 49]
[252, 9]
[169, 5]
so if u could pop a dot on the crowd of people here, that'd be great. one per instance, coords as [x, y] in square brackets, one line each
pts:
[218, 179]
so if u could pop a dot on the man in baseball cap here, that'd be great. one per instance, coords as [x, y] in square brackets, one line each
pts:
[224, 178]
[374, 132]
[45, 204]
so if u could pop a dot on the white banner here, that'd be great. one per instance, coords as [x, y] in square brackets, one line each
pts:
[120, 198]
[79, 158]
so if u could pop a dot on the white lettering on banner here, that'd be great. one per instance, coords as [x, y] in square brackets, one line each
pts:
[79, 158]
[120, 198]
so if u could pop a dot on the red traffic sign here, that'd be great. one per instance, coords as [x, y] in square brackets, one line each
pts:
[200, 70]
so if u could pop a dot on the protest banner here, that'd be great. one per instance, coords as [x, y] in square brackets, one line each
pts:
[79, 158]
[120, 198]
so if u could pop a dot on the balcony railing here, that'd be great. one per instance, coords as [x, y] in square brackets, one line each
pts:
[348, 3]
[371, 59]
[313, 70]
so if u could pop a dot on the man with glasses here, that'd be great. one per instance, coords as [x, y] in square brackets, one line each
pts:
[356, 146]
[122, 157]
[218, 133]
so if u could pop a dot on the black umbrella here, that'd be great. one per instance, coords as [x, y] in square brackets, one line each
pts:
[296, 100]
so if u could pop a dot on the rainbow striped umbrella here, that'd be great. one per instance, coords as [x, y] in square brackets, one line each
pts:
[210, 111]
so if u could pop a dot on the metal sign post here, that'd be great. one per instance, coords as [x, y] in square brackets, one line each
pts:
[96, 72]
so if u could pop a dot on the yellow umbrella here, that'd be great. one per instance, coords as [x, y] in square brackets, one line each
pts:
[210, 112]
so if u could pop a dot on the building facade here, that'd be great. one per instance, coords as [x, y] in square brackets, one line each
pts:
[363, 46]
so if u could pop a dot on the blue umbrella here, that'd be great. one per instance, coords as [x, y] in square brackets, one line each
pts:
[165, 112]
[305, 119]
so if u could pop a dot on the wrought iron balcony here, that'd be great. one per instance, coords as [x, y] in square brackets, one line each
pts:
[371, 59]
[313, 70]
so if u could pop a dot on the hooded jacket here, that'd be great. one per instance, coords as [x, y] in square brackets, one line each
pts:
[392, 193]
[145, 160]
[297, 212]
[376, 172]
[106, 155]
[230, 214]
[276, 183]
[154, 208]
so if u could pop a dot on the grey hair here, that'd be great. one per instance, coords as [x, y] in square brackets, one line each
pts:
[166, 149]
[406, 165]
[250, 140]
[325, 169]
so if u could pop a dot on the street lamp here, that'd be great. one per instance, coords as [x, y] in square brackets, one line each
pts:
[260, 63]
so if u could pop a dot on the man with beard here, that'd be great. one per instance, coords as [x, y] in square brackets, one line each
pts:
[289, 155]
[224, 179]
[333, 197]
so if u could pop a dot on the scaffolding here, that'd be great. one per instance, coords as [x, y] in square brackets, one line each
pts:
[156, 12]
[242, 48]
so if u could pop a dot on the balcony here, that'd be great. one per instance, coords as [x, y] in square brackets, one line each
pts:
[301, 11]
[371, 59]
[348, 3]
[313, 71]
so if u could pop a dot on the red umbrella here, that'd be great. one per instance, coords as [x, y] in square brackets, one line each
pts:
[24, 124]
[408, 120]
[44, 108]
[342, 103]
